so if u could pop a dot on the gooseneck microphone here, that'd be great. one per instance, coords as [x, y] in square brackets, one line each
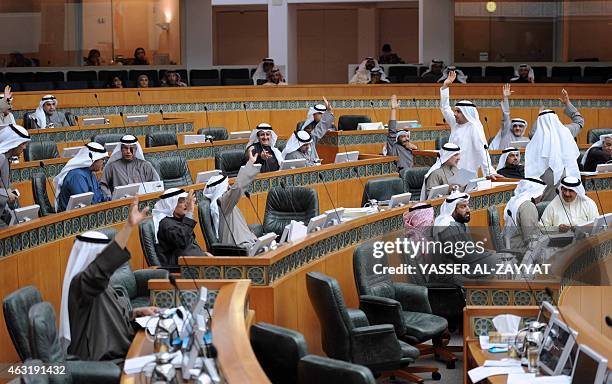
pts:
[161, 112]
[509, 212]
[599, 201]
[100, 108]
[374, 110]
[329, 196]
[416, 107]
[282, 184]
[248, 196]
[140, 98]
[365, 190]
[247, 115]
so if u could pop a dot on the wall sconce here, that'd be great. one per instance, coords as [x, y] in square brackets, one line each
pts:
[164, 26]
[491, 6]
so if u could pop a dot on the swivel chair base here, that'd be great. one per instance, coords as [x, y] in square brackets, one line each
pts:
[441, 350]
[408, 373]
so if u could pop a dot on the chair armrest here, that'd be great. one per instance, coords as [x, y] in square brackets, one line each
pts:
[358, 318]
[413, 298]
[143, 276]
[375, 344]
[219, 249]
[319, 369]
[382, 310]
[257, 229]
[94, 372]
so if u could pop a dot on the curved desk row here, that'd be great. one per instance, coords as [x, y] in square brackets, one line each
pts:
[230, 334]
[283, 107]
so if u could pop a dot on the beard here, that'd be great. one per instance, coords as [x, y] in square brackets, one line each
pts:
[463, 219]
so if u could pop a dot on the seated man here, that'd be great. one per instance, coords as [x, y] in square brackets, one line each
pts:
[388, 56]
[377, 76]
[570, 207]
[450, 227]
[172, 79]
[398, 143]
[174, 224]
[443, 170]
[319, 120]
[79, 176]
[435, 70]
[126, 165]
[298, 147]
[263, 141]
[6, 99]
[510, 164]
[13, 140]
[95, 323]
[523, 74]
[598, 153]
[227, 220]
[511, 129]
[263, 69]
[275, 77]
[521, 216]
[362, 73]
[46, 115]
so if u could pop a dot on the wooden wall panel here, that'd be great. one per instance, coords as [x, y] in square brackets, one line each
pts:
[9, 275]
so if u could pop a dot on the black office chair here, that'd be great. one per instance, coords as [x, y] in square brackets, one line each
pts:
[286, 204]
[406, 306]
[15, 307]
[173, 171]
[347, 334]
[40, 150]
[136, 283]
[218, 133]
[160, 139]
[541, 206]
[105, 138]
[146, 233]
[283, 355]
[595, 133]
[213, 244]
[413, 180]
[28, 120]
[440, 141]
[45, 346]
[382, 189]
[229, 162]
[350, 122]
[41, 197]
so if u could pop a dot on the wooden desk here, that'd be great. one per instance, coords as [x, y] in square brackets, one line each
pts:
[230, 333]
[283, 107]
[478, 357]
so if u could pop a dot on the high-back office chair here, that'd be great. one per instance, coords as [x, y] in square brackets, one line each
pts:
[382, 189]
[218, 133]
[350, 337]
[15, 307]
[104, 138]
[213, 244]
[146, 233]
[413, 180]
[350, 122]
[41, 197]
[229, 162]
[40, 150]
[173, 171]
[135, 283]
[286, 204]
[160, 139]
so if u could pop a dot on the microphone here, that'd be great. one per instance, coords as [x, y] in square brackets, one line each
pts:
[365, 190]
[248, 195]
[282, 184]
[247, 115]
[541, 222]
[106, 121]
[209, 136]
[599, 201]
[486, 148]
[161, 111]
[563, 206]
[416, 107]
[140, 98]
[609, 321]
[509, 212]
[329, 195]
[374, 111]
[44, 168]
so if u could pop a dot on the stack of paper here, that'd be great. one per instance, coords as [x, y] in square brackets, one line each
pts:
[481, 373]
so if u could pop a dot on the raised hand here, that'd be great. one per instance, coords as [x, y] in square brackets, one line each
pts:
[394, 102]
[7, 93]
[265, 155]
[135, 216]
[191, 201]
[327, 104]
[506, 91]
[252, 155]
[452, 75]
[564, 97]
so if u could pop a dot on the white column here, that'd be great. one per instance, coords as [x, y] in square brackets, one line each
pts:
[197, 33]
[282, 37]
[436, 22]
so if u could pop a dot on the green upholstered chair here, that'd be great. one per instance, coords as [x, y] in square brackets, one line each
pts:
[286, 204]
[40, 150]
[105, 138]
[382, 189]
[160, 139]
[46, 347]
[218, 133]
[350, 122]
[39, 191]
[413, 180]
[229, 162]
[173, 171]
[146, 232]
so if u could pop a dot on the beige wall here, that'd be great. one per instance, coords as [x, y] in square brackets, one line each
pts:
[589, 37]
[400, 28]
[240, 35]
